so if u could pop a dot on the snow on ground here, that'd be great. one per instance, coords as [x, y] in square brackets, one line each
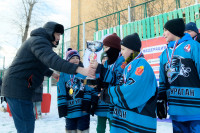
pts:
[51, 123]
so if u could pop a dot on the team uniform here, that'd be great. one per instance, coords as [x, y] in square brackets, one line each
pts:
[111, 76]
[179, 79]
[135, 101]
[70, 95]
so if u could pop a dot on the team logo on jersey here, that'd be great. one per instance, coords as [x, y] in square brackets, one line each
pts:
[123, 65]
[118, 75]
[139, 70]
[73, 90]
[129, 68]
[187, 48]
[176, 69]
[131, 81]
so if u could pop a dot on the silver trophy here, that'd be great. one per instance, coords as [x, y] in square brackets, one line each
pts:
[94, 46]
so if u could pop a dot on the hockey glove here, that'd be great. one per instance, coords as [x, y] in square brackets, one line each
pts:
[104, 96]
[162, 109]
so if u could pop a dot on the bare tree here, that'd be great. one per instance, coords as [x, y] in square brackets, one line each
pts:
[106, 7]
[163, 6]
[155, 7]
[28, 15]
[131, 4]
[109, 7]
[28, 9]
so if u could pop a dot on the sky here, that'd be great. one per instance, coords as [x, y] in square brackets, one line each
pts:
[52, 10]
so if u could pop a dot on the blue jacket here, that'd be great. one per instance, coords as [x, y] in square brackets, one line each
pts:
[180, 82]
[135, 100]
[112, 76]
[70, 104]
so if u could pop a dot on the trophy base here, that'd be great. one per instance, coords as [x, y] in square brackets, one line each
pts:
[90, 81]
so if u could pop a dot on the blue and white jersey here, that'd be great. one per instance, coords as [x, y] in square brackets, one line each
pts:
[111, 76]
[114, 72]
[179, 78]
[102, 109]
[135, 100]
[70, 94]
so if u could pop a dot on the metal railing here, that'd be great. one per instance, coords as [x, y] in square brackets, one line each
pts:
[97, 23]
[2, 65]
[153, 26]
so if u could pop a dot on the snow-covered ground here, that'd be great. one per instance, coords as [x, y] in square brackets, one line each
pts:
[51, 123]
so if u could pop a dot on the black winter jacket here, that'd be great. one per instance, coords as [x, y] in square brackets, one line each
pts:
[32, 63]
[37, 95]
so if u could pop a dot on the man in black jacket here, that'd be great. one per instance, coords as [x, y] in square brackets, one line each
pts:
[27, 71]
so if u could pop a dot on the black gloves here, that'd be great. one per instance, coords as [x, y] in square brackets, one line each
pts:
[94, 101]
[162, 105]
[102, 85]
[104, 96]
[93, 109]
[62, 111]
[162, 109]
[86, 106]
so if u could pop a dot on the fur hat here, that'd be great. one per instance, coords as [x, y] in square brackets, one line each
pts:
[52, 27]
[176, 27]
[59, 28]
[70, 53]
[192, 26]
[112, 41]
[132, 42]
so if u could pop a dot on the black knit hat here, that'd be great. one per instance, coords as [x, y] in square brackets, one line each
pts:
[132, 42]
[176, 27]
[192, 26]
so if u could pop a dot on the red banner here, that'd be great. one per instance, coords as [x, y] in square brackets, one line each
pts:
[152, 50]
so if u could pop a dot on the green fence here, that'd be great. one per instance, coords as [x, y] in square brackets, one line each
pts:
[152, 27]
[96, 24]
[2, 66]
[140, 21]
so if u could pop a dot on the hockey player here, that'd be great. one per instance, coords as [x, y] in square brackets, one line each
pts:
[135, 98]
[179, 82]
[102, 108]
[70, 95]
[111, 71]
[192, 29]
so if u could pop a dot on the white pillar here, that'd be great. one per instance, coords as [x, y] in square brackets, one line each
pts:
[129, 14]
[121, 32]
[97, 37]
[196, 1]
[102, 34]
[50, 84]
[83, 38]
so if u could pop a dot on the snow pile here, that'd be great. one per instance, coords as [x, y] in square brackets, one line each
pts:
[51, 123]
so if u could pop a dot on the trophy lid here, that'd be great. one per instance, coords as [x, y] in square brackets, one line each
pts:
[94, 46]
